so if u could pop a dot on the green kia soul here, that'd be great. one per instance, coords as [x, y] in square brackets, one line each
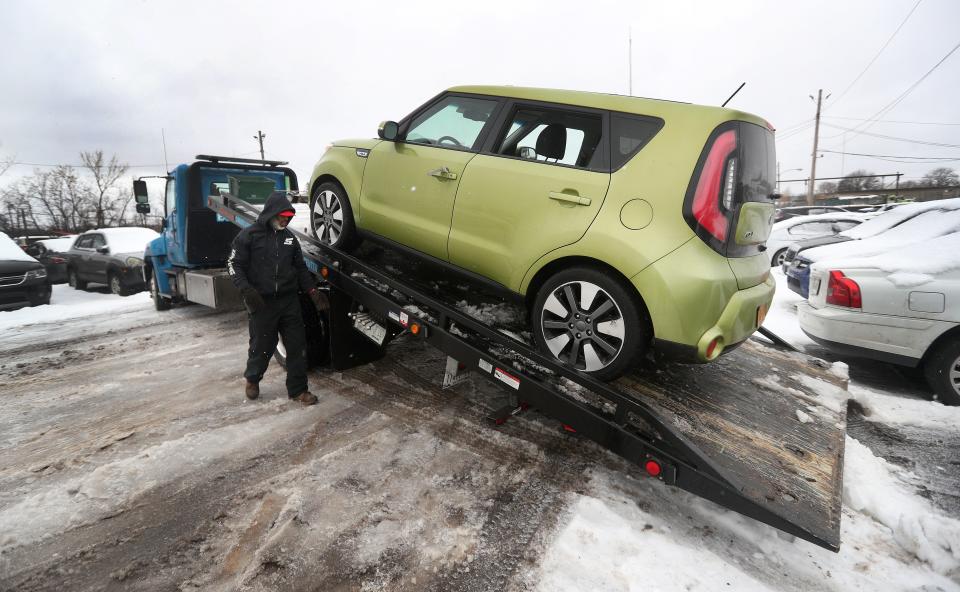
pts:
[623, 223]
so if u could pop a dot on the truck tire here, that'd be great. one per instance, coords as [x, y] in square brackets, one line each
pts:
[942, 370]
[331, 217]
[159, 302]
[586, 318]
[75, 282]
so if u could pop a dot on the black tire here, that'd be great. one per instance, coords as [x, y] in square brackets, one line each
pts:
[75, 282]
[604, 346]
[942, 370]
[116, 286]
[159, 302]
[324, 225]
[778, 257]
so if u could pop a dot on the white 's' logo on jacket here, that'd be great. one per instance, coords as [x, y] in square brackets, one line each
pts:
[288, 241]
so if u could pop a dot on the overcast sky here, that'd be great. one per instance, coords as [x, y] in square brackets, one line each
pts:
[111, 74]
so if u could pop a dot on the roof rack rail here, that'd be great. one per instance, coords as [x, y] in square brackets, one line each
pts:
[229, 159]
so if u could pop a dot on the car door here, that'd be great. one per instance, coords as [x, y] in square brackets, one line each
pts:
[80, 256]
[409, 185]
[171, 230]
[97, 266]
[538, 188]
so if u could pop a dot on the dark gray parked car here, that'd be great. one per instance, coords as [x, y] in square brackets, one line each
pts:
[111, 256]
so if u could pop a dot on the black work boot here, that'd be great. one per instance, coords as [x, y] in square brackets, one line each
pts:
[252, 390]
[306, 397]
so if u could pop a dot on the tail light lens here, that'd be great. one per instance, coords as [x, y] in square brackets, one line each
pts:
[711, 189]
[843, 291]
[57, 260]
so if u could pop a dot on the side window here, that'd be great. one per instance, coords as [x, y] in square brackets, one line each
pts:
[83, 242]
[811, 229]
[841, 225]
[97, 241]
[171, 197]
[628, 135]
[454, 122]
[553, 136]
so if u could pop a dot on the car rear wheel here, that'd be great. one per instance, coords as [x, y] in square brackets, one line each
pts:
[159, 302]
[589, 320]
[280, 355]
[75, 282]
[942, 370]
[331, 217]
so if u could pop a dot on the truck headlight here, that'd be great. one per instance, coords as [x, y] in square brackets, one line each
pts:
[134, 262]
[36, 274]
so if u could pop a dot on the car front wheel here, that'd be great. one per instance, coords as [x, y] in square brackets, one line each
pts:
[589, 320]
[942, 370]
[331, 217]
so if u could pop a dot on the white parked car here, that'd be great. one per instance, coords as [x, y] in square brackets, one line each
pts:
[798, 228]
[900, 306]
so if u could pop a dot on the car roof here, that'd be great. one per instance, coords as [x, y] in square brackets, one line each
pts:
[626, 104]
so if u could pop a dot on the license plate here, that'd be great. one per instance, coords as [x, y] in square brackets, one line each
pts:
[761, 314]
[374, 331]
[814, 286]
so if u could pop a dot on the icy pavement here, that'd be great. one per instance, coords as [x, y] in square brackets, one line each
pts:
[131, 461]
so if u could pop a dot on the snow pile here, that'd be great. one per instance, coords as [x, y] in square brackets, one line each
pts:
[896, 410]
[111, 488]
[67, 303]
[11, 251]
[874, 487]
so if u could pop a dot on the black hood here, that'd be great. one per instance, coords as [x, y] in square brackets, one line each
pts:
[17, 267]
[276, 203]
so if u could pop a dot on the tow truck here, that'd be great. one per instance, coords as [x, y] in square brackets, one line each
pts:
[760, 431]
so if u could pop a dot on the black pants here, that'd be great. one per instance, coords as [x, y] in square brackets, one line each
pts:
[279, 315]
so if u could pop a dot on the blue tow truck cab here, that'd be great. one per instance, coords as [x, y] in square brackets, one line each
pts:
[188, 261]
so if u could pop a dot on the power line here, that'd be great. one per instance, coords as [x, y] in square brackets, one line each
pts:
[892, 156]
[890, 120]
[872, 119]
[901, 159]
[80, 166]
[895, 138]
[860, 75]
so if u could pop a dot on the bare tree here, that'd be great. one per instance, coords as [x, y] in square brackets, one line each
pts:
[5, 163]
[109, 203]
[941, 177]
[858, 180]
[827, 187]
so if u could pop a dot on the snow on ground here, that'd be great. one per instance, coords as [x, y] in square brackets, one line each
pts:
[67, 303]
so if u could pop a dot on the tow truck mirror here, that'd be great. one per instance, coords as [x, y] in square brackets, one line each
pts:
[141, 196]
[388, 130]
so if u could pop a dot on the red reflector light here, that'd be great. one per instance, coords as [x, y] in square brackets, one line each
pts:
[569, 429]
[57, 260]
[415, 328]
[653, 468]
[712, 346]
[843, 291]
[706, 199]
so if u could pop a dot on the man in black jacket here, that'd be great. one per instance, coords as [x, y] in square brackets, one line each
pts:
[267, 266]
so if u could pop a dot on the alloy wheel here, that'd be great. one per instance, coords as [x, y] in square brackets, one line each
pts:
[328, 217]
[955, 375]
[583, 326]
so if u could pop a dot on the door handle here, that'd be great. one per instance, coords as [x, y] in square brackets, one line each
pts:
[442, 173]
[566, 197]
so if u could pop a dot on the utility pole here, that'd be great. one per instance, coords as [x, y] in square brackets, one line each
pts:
[260, 136]
[813, 158]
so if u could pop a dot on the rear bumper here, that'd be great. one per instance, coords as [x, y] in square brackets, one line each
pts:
[741, 317]
[898, 340]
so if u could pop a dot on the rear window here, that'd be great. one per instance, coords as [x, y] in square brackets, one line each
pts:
[759, 162]
[628, 134]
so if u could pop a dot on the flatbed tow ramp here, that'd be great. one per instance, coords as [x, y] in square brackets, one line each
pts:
[757, 431]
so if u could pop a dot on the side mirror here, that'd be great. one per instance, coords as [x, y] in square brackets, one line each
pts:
[388, 130]
[527, 152]
[103, 250]
[141, 196]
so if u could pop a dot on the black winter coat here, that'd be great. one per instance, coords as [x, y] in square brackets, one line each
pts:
[267, 260]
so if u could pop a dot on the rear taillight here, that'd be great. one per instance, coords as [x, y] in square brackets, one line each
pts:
[57, 260]
[843, 291]
[712, 191]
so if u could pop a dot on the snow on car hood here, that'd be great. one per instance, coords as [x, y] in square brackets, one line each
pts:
[919, 229]
[11, 251]
[888, 220]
